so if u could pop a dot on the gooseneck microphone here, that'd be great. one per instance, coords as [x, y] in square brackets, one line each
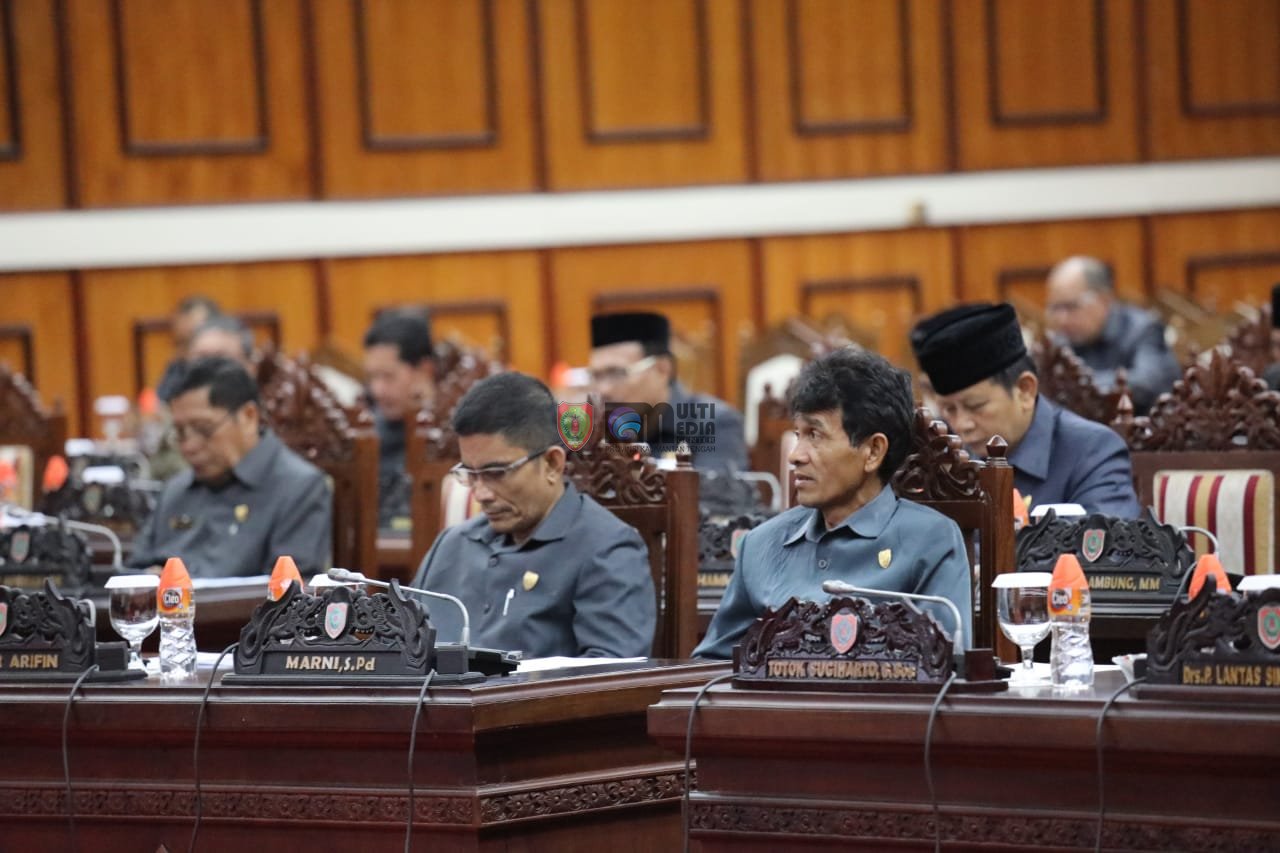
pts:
[349, 576]
[842, 588]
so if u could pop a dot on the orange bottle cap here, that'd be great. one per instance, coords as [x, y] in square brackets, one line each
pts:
[286, 570]
[55, 473]
[1067, 574]
[1208, 566]
[174, 594]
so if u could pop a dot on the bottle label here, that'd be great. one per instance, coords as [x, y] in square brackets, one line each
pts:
[174, 601]
[1065, 602]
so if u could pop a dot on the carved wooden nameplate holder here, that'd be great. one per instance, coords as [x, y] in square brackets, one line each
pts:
[347, 636]
[1125, 560]
[718, 548]
[46, 636]
[1218, 640]
[32, 555]
[848, 644]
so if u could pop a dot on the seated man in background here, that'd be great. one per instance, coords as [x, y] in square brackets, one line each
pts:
[631, 362]
[853, 415]
[191, 313]
[986, 385]
[400, 374]
[246, 498]
[223, 337]
[1107, 334]
[545, 570]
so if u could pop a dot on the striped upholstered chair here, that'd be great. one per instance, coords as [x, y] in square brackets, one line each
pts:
[1208, 456]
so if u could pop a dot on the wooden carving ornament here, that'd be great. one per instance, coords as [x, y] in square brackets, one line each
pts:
[938, 467]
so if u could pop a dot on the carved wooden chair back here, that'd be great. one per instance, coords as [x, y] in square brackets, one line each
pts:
[34, 434]
[1250, 342]
[978, 496]
[303, 412]
[436, 501]
[1208, 455]
[663, 506]
[1193, 329]
[1067, 381]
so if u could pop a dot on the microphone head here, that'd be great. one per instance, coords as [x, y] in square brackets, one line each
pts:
[345, 575]
[837, 588]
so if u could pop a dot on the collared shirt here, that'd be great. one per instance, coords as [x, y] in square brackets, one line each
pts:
[274, 503]
[579, 586]
[889, 543]
[712, 428]
[1132, 339]
[1064, 458]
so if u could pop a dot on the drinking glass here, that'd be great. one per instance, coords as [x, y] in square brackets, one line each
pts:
[1022, 608]
[133, 611]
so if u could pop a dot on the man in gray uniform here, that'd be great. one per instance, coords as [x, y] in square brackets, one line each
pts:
[986, 385]
[545, 570]
[1107, 334]
[246, 499]
[853, 415]
[631, 363]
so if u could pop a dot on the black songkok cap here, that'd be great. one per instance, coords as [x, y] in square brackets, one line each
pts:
[652, 330]
[962, 346]
[1275, 306]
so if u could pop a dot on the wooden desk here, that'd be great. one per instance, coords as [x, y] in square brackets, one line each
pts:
[556, 761]
[834, 771]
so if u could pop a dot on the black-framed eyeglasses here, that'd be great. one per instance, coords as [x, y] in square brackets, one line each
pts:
[204, 432]
[491, 475]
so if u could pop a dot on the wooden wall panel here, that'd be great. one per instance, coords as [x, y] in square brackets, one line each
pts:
[37, 331]
[642, 94]
[183, 101]
[1218, 259]
[31, 132]
[847, 88]
[1045, 82]
[422, 98]
[489, 300]
[704, 288]
[1010, 262]
[128, 313]
[1214, 78]
[880, 282]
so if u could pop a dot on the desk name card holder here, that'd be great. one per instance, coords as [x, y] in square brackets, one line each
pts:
[1127, 561]
[46, 636]
[1215, 644]
[848, 644]
[33, 554]
[346, 636]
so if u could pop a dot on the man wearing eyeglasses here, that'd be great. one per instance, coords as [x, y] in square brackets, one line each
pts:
[246, 498]
[631, 362]
[1107, 334]
[545, 570]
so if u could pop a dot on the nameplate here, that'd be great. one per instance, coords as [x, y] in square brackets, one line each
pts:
[343, 632]
[844, 644]
[1125, 560]
[1218, 640]
[43, 632]
[714, 580]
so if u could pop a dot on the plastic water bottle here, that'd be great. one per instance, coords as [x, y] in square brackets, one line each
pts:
[177, 609]
[1071, 657]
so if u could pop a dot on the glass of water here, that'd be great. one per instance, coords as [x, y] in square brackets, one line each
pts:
[1022, 608]
[133, 611]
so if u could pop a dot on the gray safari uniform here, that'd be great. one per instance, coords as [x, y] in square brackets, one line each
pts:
[578, 587]
[1064, 458]
[890, 544]
[275, 503]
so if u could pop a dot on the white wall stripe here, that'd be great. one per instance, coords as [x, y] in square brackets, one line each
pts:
[235, 233]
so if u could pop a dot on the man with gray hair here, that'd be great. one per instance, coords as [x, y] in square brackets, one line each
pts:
[1107, 334]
